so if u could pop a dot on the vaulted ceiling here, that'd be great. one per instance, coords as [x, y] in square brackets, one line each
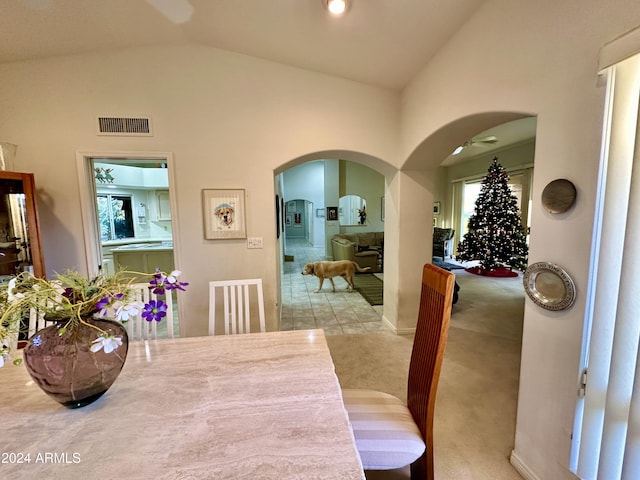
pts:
[378, 42]
[383, 43]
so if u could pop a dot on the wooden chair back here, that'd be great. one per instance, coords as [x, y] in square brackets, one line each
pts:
[426, 357]
[236, 295]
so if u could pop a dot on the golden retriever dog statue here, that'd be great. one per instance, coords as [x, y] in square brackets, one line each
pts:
[337, 268]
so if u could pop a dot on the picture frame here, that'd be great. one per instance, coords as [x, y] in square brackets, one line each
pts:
[332, 213]
[436, 208]
[319, 212]
[224, 213]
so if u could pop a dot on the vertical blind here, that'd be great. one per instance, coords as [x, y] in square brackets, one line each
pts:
[607, 434]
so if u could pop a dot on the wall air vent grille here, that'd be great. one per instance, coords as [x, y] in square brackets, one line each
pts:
[139, 126]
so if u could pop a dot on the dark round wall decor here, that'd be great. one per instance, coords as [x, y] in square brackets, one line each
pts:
[558, 196]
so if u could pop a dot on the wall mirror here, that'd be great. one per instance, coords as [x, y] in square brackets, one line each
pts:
[352, 210]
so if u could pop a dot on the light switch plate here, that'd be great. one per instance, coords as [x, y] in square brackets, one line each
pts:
[254, 242]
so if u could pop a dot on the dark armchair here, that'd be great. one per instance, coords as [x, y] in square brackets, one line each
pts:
[443, 242]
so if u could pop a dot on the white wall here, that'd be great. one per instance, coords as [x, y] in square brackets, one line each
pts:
[534, 58]
[230, 120]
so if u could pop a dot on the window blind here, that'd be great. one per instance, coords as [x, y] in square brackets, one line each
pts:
[607, 434]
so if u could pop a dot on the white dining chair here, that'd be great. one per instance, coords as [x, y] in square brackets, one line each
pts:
[36, 320]
[236, 304]
[140, 329]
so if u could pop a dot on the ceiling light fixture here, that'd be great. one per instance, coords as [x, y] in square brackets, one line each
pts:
[336, 7]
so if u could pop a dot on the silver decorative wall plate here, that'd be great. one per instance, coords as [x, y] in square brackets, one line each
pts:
[549, 286]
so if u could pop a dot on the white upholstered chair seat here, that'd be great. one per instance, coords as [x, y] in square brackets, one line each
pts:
[386, 435]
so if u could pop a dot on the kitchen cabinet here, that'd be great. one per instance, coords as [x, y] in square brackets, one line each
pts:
[143, 258]
[164, 205]
[20, 245]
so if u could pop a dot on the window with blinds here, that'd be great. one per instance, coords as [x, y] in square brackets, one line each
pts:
[606, 436]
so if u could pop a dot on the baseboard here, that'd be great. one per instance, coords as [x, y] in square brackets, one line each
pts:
[521, 467]
[526, 473]
[399, 331]
[389, 324]
[406, 331]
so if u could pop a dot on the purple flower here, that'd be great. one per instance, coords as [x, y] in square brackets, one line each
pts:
[104, 303]
[157, 282]
[154, 310]
[162, 282]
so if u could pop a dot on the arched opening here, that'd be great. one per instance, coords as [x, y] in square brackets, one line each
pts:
[311, 188]
[485, 334]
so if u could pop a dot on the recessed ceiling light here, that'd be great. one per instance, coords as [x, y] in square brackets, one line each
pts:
[336, 7]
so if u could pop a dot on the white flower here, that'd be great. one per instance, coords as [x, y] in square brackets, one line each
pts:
[59, 290]
[108, 343]
[57, 286]
[173, 276]
[127, 310]
[13, 297]
[5, 351]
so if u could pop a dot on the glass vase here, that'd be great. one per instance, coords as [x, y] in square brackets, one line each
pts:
[66, 369]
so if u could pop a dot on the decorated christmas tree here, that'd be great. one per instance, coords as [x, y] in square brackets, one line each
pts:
[495, 235]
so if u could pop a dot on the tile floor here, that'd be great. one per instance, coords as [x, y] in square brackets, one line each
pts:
[337, 313]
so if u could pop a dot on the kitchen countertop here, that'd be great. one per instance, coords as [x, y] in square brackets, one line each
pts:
[136, 247]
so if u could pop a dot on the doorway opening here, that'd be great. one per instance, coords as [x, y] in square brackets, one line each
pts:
[127, 208]
[298, 220]
[134, 214]
[312, 190]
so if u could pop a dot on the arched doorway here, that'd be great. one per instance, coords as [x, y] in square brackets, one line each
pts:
[310, 187]
[486, 324]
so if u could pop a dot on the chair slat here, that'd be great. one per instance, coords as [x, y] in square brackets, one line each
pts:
[140, 329]
[236, 305]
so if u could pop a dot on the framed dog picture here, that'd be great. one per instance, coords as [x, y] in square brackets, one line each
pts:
[224, 215]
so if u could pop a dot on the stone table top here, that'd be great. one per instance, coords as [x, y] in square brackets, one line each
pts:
[256, 406]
